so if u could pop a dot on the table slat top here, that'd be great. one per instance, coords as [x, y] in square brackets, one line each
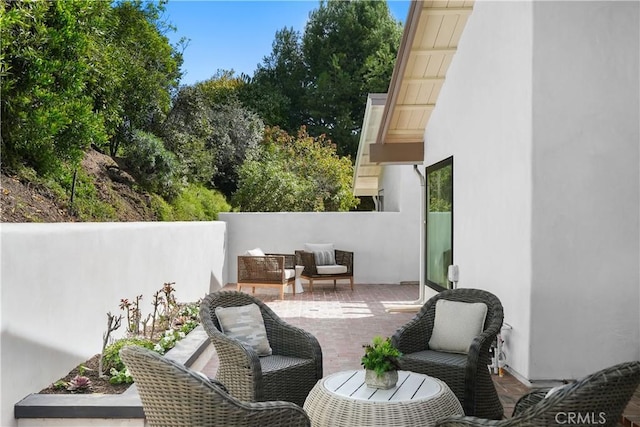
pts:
[411, 386]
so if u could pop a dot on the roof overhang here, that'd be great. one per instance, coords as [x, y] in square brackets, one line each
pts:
[429, 41]
[366, 174]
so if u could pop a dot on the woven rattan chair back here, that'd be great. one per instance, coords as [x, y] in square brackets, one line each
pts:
[173, 395]
[293, 369]
[472, 382]
[595, 400]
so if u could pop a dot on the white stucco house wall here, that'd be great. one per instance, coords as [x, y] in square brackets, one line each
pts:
[540, 112]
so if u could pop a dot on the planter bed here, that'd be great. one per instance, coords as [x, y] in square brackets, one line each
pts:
[101, 409]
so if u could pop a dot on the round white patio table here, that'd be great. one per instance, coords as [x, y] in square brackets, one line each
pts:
[343, 399]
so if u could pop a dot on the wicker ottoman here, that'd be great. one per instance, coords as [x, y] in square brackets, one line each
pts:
[343, 399]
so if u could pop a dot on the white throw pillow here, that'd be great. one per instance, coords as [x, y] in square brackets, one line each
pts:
[324, 253]
[255, 252]
[245, 324]
[456, 324]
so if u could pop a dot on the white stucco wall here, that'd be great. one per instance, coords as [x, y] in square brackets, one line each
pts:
[586, 174]
[483, 120]
[402, 189]
[58, 281]
[540, 111]
[385, 244]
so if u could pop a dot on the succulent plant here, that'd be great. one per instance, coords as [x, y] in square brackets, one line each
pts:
[79, 384]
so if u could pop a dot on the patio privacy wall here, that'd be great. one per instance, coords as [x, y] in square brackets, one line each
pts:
[540, 113]
[385, 248]
[60, 280]
[386, 245]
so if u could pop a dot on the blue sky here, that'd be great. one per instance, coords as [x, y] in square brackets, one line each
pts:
[237, 34]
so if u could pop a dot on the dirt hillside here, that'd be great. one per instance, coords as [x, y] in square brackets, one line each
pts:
[23, 201]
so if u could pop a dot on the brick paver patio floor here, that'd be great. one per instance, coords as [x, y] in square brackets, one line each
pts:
[344, 320]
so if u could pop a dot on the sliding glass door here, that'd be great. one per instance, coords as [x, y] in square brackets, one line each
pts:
[439, 241]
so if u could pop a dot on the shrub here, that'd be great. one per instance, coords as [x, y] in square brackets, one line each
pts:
[112, 352]
[162, 208]
[86, 203]
[199, 203]
[194, 203]
[155, 167]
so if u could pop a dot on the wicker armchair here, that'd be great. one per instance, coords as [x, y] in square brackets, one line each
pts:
[173, 395]
[466, 374]
[288, 374]
[597, 399]
[310, 272]
[267, 271]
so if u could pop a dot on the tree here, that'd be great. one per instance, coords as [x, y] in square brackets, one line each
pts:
[277, 88]
[187, 131]
[47, 114]
[149, 66]
[321, 79]
[210, 131]
[222, 88]
[236, 130]
[294, 173]
[81, 72]
[349, 49]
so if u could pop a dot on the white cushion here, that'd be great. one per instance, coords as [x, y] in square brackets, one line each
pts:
[331, 269]
[245, 324]
[255, 252]
[456, 324]
[288, 273]
[324, 253]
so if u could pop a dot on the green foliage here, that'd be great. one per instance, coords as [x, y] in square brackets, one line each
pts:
[155, 167]
[60, 384]
[122, 376]
[210, 131]
[178, 321]
[112, 352]
[222, 88]
[321, 78]
[197, 203]
[81, 72]
[162, 208]
[47, 114]
[302, 173]
[168, 340]
[194, 203]
[187, 131]
[440, 191]
[380, 356]
[236, 131]
[277, 87]
[86, 203]
[350, 50]
[148, 69]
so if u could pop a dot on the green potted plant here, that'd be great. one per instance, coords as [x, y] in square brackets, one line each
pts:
[380, 361]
